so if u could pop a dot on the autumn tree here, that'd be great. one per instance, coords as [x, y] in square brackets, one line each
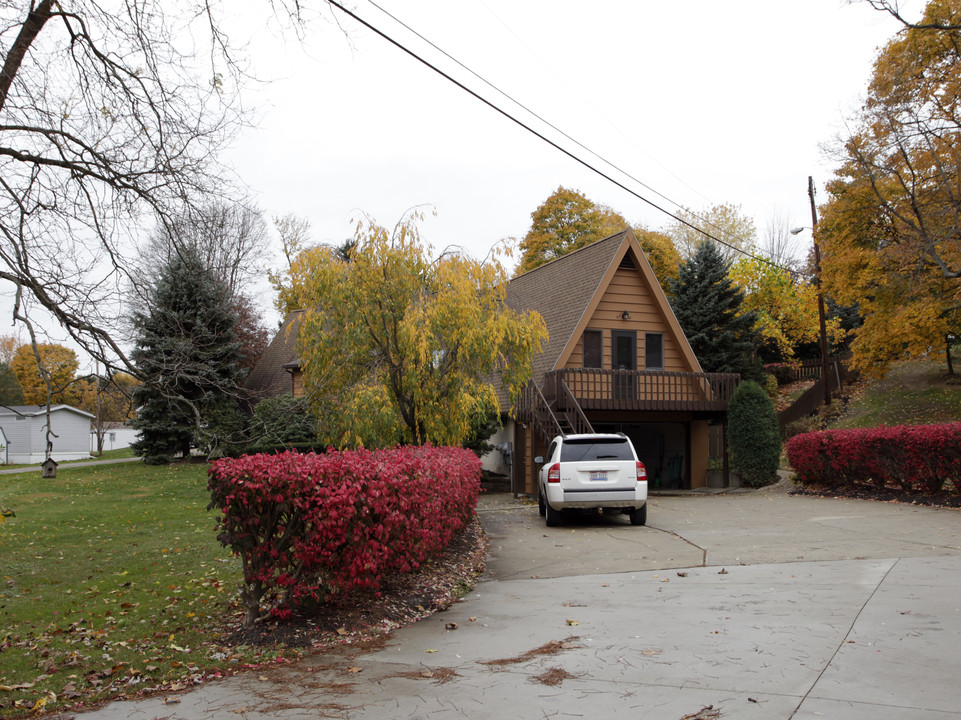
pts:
[889, 232]
[726, 222]
[47, 374]
[9, 345]
[709, 308]
[398, 347]
[785, 309]
[110, 400]
[566, 221]
[187, 354]
[661, 253]
[110, 113]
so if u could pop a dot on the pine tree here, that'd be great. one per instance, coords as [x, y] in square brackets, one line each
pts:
[10, 391]
[707, 305]
[189, 358]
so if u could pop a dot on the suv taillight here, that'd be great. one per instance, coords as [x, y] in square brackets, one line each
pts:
[641, 472]
[554, 474]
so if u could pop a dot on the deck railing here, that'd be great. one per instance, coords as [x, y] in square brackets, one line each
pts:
[596, 389]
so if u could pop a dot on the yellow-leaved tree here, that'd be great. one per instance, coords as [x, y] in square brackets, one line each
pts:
[889, 233]
[53, 380]
[400, 347]
[568, 220]
[786, 310]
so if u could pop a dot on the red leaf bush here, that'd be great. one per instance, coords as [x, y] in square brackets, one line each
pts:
[910, 457]
[313, 527]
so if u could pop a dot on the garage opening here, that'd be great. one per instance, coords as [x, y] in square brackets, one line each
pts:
[660, 446]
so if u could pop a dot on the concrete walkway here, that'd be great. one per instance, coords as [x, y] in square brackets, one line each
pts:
[755, 605]
[68, 465]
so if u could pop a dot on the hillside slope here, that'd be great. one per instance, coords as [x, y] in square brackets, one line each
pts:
[912, 393]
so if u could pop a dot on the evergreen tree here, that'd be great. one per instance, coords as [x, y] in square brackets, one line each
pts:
[707, 304]
[10, 391]
[188, 357]
[753, 434]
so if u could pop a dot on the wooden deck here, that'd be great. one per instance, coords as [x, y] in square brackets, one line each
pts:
[595, 389]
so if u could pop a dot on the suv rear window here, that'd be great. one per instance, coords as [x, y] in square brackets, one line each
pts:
[595, 449]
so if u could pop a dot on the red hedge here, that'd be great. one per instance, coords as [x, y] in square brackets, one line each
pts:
[911, 457]
[315, 527]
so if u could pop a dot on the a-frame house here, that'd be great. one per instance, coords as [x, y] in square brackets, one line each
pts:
[616, 361]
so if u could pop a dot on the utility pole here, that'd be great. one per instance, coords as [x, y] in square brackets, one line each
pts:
[825, 364]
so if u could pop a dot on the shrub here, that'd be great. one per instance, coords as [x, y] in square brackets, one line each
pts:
[753, 435]
[770, 386]
[796, 427]
[910, 457]
[311, 528]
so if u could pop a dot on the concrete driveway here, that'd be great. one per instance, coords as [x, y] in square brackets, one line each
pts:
[754, 605]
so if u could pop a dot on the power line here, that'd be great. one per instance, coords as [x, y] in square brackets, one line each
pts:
[544, 120]
[531, 130]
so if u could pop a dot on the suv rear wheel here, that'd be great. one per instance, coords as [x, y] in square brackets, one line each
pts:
[638, 515]
[552, 516]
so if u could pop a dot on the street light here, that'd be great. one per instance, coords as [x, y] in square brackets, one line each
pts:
[825, 365]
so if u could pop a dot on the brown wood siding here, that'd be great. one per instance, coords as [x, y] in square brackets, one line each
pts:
[297, 383]
[628, 291]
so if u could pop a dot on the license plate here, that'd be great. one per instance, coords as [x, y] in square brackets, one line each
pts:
[598, 475]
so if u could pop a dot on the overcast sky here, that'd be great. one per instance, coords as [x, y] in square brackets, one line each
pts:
[704, 102]
[701, 101]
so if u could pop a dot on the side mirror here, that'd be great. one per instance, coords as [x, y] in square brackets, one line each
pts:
[539, 460]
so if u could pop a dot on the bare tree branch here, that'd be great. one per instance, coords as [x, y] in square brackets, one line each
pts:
[892, 9]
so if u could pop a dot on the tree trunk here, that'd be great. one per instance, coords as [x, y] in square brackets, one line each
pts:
[947, 353]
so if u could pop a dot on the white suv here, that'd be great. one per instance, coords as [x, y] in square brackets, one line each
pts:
[592, 471]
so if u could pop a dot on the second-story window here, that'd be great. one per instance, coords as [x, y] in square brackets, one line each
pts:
[653, 351]
[593, 349]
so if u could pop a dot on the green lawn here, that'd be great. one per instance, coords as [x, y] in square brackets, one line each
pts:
[112, 581]
[912, 393]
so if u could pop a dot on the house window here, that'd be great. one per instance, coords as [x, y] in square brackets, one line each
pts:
[593, 348]
[654, 351]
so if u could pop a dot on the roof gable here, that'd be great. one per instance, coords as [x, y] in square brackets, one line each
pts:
[566, 292]
[38, 410]
[270, 376]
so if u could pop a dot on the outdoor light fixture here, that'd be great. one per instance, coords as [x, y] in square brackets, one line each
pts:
[795, 231]
[625, 315]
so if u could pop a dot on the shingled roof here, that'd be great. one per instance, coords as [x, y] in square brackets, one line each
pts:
[270, 376]
[561, 291]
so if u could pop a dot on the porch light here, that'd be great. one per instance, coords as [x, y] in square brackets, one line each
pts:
[625, 315]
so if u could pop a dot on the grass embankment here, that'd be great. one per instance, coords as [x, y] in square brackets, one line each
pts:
[112, 582]
[918, 392]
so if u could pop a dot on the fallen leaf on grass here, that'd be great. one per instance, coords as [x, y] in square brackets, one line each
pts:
[11, 688]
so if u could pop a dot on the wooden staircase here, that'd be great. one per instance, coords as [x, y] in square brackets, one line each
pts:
[561, 415]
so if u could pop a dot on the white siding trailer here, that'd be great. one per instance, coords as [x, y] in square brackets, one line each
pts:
[25, 429]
